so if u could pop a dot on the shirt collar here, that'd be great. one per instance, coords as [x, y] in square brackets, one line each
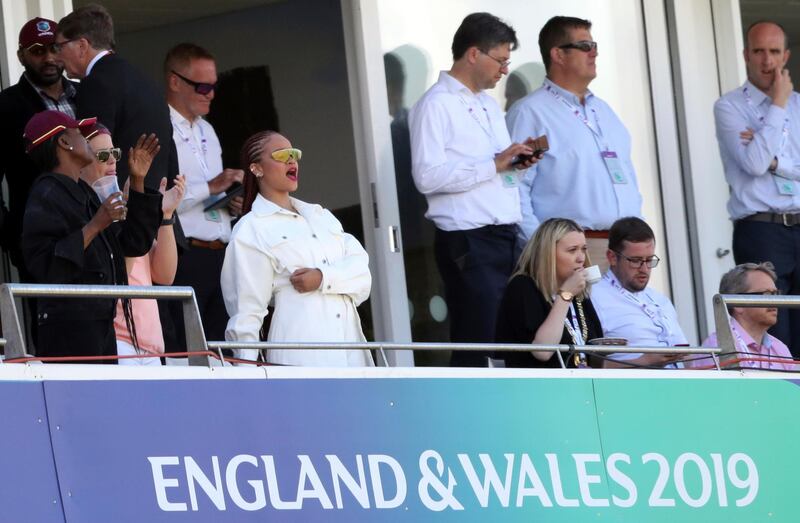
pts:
[453, 84]
[68, 89]
[179, 119]
[265, 207]
[766, 342]
[96, 58]
[756, 95]
[569, 96]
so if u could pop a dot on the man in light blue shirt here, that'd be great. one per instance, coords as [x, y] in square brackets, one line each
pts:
[626, 306]
[758, 130]
[587, 174]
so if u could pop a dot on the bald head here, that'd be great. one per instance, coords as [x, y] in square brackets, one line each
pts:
[765, 53]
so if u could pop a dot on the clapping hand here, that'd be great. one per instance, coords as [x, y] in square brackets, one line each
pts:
[173, 197]
[140, 157]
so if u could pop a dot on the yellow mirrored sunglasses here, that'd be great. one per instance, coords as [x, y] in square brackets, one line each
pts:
[286, 155]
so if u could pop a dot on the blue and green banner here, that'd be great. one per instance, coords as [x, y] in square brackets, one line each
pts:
[416, 449]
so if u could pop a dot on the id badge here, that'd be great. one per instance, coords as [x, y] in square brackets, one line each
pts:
[614, 167]
[785, 186]
[213, 215]
[509, 179]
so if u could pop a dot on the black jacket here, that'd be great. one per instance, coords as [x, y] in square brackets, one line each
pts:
[18, 104]
[52, 244]
[129, 104]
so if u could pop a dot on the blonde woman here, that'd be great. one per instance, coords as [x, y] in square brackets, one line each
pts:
[547, 300]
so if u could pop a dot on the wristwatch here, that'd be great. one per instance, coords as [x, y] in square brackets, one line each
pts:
[566, 295]
[168, 221]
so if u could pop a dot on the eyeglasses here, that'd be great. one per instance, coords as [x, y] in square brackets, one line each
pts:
[41, 49]
[59, 46]
[771, 292]
[637, 263]
[199, 87]
[583, 45]
[503, 63]
[103, 155]
[286, 155]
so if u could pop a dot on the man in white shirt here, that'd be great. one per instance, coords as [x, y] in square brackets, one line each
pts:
[191, 77]
[627, 308]
[462, 161]
[758, 130]
[587, 175]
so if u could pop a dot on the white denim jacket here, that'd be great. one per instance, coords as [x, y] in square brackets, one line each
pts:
[267, 246]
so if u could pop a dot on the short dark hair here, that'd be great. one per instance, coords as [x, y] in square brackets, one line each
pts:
[630, 229]
[180, 56]
[757, 22]
[556, 32]
[484, 31]
[93, 22]
[45, 154]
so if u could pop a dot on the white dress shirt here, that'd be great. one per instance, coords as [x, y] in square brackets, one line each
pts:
[777, 135]
[646, 318]
[572, 180]
[200, 160]
[455, 135]
[268, 244]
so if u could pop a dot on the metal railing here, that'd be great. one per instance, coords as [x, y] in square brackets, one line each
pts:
[381, 347]
[196, 343]
[12, 329]
[722, 318]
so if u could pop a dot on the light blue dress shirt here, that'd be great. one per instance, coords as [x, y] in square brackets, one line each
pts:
[572, 180]
[777, 135]
[646, 318]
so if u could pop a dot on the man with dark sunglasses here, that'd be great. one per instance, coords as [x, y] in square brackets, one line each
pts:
[587, 174]
[41, 87]
[122, 98]
[190, 76]
[626, 306]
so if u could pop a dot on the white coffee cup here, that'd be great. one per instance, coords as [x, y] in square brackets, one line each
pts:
[593, 274]
[105, 186]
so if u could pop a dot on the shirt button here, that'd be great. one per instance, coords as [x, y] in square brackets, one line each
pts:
[284, 237]
[338, 315]
[329, 287]
[324, 261]
[102, 275]
[313, 235]
[44, 316]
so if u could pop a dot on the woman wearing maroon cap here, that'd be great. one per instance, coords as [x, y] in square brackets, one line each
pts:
[70, 237]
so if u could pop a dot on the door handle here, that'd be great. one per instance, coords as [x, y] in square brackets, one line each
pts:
[394, 238]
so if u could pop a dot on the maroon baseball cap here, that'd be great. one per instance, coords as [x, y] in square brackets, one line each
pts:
[46, 124]
[39, 31]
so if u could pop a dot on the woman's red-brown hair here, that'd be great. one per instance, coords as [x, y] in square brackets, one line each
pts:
[251, 153]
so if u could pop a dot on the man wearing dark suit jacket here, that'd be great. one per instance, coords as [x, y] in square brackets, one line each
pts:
[42, 86]
[119, 95]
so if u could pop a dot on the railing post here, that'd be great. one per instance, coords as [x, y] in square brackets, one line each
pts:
[195, 335]
[725, 339]
[12, 330]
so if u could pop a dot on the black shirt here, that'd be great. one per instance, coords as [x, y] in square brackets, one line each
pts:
[523, 309]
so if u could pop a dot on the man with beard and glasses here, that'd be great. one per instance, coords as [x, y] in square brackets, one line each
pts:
[41, 87]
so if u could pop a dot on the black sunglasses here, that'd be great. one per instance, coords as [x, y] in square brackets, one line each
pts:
[584, 45]
[199, 87]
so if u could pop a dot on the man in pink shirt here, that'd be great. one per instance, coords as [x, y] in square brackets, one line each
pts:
[755, 347]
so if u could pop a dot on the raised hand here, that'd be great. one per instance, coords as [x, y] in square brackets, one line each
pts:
[141, 155]
[781, 88]
[172, 198]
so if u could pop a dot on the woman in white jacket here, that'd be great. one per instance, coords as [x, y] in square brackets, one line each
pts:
[296, 254]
